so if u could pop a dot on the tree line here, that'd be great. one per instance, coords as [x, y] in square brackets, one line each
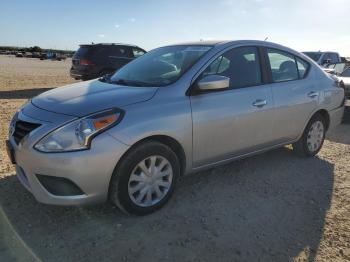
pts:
[34, 49]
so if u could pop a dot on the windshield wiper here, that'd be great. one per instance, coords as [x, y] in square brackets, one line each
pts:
[121, 82]
[130, 83]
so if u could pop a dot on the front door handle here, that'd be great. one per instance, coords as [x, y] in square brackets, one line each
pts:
[260, 103]
[312, 94]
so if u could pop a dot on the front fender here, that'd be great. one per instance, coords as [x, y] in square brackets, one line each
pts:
[171, 118]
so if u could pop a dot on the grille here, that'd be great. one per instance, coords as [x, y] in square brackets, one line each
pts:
[22, 129]
[59, 186]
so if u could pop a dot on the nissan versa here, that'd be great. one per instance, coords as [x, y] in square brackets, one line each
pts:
[175, 110]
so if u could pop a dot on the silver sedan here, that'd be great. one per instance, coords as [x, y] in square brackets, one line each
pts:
[345, 78]
[176, 110]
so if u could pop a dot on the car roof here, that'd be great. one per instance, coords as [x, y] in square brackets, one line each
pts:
[203, 42]
[221, 44]
[107, 44]
[320, 52]
[233, 42]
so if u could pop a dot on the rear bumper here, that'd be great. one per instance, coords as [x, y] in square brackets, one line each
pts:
[76, 75]
[336, 116]
[84, 73]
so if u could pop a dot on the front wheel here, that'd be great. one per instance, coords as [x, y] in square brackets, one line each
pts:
[145, 178]
[313, 137]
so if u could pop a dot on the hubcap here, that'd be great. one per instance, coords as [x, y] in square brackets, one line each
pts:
[150, 181]
[315, 136]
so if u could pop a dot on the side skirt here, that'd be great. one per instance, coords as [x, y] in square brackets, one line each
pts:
[228, 160]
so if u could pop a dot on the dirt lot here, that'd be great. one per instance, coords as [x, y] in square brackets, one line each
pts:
[271, 207]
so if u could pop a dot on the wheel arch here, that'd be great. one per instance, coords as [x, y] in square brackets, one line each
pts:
[166, 140]
[324, 113]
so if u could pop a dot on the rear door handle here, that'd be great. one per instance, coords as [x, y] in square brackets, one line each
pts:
[259, 103]
[312, 94]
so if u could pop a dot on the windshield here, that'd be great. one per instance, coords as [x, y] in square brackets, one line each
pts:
[160, 67]
[346, 72]
[313, 55]
[339, 68]
[81, 52]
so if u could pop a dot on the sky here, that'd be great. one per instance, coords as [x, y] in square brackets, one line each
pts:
[308, 25]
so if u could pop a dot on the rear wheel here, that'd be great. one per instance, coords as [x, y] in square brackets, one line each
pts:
[145, 178]
[313, 137]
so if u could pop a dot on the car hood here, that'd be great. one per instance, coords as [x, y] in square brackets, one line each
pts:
[84, 98]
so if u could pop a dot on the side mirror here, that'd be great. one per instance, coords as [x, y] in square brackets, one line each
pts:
[213, 82]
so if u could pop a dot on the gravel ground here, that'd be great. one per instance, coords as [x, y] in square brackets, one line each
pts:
[271, 207]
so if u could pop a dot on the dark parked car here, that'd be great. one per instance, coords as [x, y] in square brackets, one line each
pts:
[324, 58]
[95, 60]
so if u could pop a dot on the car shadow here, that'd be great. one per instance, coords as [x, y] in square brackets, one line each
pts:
[23, 93]
[270, 207]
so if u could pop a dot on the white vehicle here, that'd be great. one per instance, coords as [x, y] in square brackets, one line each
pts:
[345, 78]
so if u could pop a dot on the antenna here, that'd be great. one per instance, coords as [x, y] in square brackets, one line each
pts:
[266, 38]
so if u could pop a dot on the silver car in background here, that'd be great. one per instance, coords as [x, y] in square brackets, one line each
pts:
[345, 78]
[173, 111]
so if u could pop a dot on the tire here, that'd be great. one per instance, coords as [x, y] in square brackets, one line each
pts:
[306, 145]
[123, 183]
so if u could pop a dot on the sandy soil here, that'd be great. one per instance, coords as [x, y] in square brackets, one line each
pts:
[271, 207]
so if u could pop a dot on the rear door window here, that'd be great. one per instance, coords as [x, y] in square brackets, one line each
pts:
[122, 52]
[82, 52]
[303, 67]
[102, 51]
[137, 52]
[346, 72]
[333, 57]
[112, 51]
[283, 66]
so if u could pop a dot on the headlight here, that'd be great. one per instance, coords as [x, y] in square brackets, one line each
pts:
[77, 135]
[13, 124]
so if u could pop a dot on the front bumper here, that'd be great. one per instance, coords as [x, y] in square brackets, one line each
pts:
[90, 170]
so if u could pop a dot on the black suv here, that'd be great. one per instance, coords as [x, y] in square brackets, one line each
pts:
[95, 60]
